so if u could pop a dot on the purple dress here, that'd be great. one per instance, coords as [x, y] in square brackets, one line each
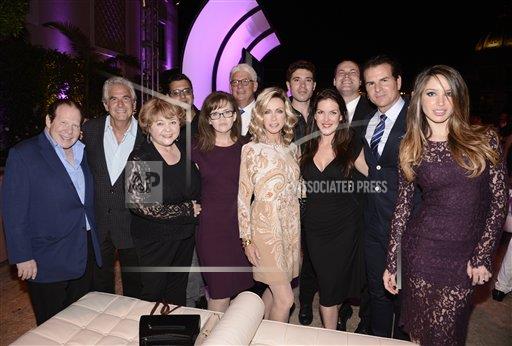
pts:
[217, 240]
[459, 220]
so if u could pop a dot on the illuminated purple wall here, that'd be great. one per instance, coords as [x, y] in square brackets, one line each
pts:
[80, 13]
[76, 12]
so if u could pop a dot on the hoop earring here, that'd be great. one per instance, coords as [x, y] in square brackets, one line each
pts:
[148, 138]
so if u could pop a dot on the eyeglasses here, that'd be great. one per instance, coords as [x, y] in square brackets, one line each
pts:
[225, 114]
[179, 92]
[236, 82]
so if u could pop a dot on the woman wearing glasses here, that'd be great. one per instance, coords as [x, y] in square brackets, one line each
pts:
[269, 226]
[217, 154]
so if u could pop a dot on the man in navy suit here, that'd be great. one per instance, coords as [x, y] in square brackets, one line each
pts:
[382, 138]
[47, 204]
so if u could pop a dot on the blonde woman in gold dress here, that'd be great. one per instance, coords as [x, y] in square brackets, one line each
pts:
[269, 226]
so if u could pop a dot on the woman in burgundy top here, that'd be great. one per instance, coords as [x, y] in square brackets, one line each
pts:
[217, 154]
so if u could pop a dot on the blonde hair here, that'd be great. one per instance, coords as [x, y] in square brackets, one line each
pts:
[158, 107]
[256, 127]
[469, 144]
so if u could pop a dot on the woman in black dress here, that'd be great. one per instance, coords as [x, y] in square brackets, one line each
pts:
[161, 192]
[333, 207]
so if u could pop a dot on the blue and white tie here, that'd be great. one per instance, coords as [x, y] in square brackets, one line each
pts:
[377, 135]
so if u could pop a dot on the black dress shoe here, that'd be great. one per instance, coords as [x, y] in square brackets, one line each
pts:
[305, 315]
[363, 327]
[202, 303]
[343, 316]
[498, 295]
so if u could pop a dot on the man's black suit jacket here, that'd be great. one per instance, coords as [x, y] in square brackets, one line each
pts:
[362, 115]
[112, 216]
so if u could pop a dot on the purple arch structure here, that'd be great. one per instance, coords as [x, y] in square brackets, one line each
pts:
[215, 42]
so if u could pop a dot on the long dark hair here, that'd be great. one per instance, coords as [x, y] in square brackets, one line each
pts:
[468, 144]
[206, 135]
[344, 157]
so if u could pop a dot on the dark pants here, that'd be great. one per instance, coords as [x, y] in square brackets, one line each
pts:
[104, 278]
[195, 284]
[383, 305]
[49, 299]
[308, 284]
[364, 306]
[169, 285]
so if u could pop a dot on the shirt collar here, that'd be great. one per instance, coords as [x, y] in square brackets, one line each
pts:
[78, 147]
[249, 106]
[132, 130]
[394, 111]
[351, 106]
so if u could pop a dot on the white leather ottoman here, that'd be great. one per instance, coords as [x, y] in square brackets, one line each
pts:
[108, 319]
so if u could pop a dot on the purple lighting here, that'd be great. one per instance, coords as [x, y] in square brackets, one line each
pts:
[265, 46]
[211, 28]
[242, 38]
[63, 92]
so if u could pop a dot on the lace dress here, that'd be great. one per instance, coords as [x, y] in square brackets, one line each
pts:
[271, 173]
[160, 197]
[459, 220]
[162, 204]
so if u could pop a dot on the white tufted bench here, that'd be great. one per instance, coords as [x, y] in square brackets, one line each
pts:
[108, 319]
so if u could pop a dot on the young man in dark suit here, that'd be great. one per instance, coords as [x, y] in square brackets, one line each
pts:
[382, 136]
[301, 82]
[109, 141]
[47, 206]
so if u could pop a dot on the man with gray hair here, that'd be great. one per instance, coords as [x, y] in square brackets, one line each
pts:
[243, 83]
[108, 142]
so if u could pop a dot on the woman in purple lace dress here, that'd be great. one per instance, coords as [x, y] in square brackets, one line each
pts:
[448, 243]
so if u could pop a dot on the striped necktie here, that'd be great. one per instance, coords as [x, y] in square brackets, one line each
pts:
[377, 135]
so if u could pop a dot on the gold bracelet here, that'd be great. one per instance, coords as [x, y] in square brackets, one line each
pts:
[246, 242]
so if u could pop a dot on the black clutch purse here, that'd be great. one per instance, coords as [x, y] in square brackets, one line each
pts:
[166, 329]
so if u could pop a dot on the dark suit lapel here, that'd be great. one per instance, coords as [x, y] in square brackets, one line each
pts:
[364, 111]
[87, 178]
[101, 147]
[395, 137]
[53, 160]
[140, 138]
[359, 113]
